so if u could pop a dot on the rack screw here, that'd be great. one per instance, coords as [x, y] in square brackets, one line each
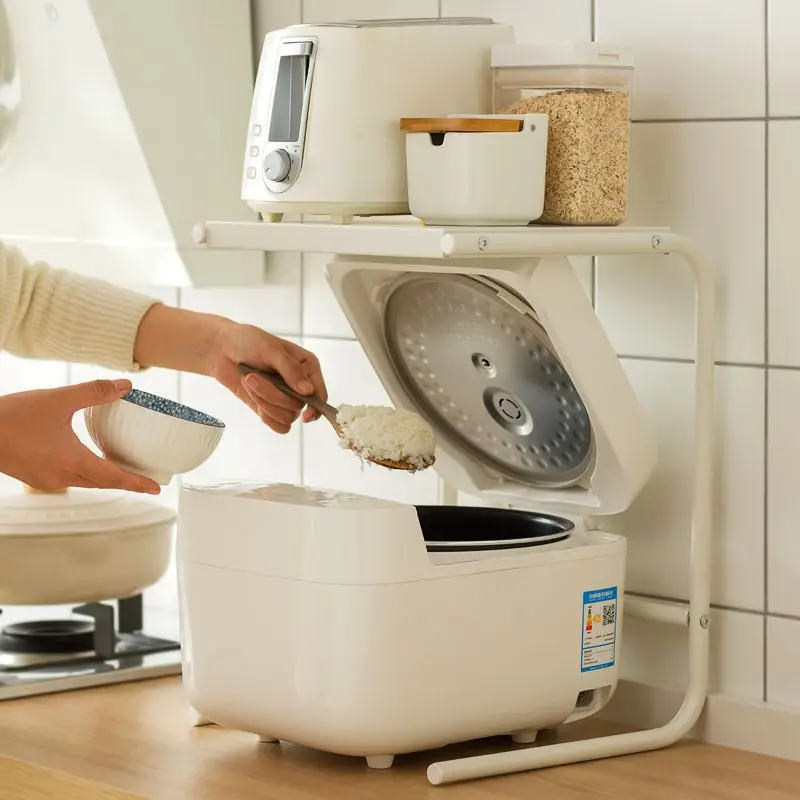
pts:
[705, 621]
[483, 243]
[656, 241]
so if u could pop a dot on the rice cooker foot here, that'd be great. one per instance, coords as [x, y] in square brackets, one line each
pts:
[380, 762]
[524, 737]
[269, 217]
[199, 721]
[264, 739]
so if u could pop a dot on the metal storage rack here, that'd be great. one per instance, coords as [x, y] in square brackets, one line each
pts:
[437, 245]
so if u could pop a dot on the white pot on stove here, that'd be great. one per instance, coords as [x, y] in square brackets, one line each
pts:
[80, 546]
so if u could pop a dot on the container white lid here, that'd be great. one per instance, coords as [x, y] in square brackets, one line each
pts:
[561, 54]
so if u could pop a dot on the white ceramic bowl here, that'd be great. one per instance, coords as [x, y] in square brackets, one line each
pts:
[153, 436]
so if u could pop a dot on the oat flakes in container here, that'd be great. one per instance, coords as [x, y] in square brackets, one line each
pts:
[585, 89]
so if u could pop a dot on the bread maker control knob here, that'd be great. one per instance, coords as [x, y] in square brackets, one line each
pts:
[277, 164]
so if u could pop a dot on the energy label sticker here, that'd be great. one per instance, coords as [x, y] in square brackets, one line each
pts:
[599, 629]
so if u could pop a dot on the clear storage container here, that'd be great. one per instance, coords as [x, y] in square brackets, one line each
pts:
[585, 90]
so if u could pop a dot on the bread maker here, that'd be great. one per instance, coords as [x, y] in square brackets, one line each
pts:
[371, 628]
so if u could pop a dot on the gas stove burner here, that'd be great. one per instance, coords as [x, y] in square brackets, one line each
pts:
[479, 365]
[48, 636]
[102, 645]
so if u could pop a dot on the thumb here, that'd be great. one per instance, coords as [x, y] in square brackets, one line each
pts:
[96, 393]
[292, 370]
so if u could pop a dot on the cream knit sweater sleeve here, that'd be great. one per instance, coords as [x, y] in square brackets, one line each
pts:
[53, 314]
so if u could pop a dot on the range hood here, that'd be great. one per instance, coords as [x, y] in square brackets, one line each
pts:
[122, 123]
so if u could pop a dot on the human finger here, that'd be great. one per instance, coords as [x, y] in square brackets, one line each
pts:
[313, 372]
[106, 475]
[290, 363]
[93, 393]
[242, 393]
[260, 389]
[279, 419]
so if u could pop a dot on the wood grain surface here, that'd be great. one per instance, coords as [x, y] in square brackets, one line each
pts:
[137, 738]
[21, 781]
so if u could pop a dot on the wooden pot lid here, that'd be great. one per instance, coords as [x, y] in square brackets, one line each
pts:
[30, 490]
[460, 125]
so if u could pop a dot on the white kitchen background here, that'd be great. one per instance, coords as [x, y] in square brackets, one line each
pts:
[715, 155]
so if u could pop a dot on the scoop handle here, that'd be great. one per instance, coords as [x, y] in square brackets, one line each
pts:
[279, 383]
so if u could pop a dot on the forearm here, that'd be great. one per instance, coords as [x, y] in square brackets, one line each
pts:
[178, 339]
[48, 313]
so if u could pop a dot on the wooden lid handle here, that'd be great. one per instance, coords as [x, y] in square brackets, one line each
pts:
[30, 490]
[460, 125]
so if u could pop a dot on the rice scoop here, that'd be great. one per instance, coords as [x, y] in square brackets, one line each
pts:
[380, 433]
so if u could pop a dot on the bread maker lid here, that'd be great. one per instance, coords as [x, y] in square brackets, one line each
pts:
[529, 405]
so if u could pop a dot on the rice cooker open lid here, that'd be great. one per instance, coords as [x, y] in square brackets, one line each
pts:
[514, 372]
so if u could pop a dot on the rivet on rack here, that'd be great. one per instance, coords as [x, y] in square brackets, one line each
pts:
[656, 241]
[483, 243]
[705, 621]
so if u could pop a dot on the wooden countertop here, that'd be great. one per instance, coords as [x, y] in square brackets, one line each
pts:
[20, 781]
[137, 738]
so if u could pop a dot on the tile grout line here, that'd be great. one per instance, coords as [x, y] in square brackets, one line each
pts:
[595, 261]
[765, 567]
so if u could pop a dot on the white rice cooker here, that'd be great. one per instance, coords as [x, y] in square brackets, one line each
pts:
[371, 628]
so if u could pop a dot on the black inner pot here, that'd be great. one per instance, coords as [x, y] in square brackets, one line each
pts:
[462, 528]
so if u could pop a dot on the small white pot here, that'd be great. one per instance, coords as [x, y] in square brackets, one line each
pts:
[466, 170]
[81, 546]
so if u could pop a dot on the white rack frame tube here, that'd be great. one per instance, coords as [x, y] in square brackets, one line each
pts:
[409, 242]
[698, 618]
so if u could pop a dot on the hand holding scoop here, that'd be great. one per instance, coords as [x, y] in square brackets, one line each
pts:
[420, 434]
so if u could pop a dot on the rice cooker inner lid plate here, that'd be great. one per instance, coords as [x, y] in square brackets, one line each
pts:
[484, 373]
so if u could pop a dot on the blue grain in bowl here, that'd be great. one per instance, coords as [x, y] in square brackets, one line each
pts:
[171, 408]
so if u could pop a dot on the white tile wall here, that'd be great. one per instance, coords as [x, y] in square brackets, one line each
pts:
[322, 315]
[692, 177]
[703, 170]
[784, 58]
[783, 656]
[271, 14]
[533, 20]
[335, 10]
[784, 253]
[783, 444]
[659, 524]
[694, 60]
[656, 654]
